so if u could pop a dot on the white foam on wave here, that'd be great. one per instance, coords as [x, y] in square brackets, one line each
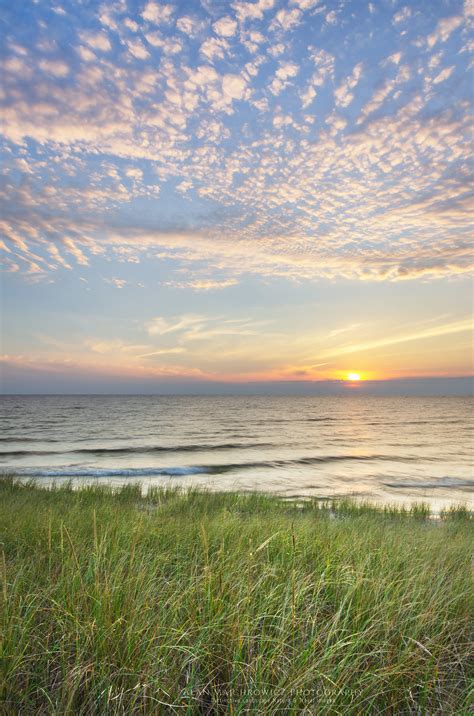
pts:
[106, 472]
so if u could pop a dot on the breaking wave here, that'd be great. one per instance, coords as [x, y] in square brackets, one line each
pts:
[73, 471]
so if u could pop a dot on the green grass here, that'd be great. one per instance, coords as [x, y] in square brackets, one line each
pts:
[216, 603]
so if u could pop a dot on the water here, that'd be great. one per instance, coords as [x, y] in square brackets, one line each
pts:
[397, 449]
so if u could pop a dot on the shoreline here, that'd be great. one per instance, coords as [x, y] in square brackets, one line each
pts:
[435, 507]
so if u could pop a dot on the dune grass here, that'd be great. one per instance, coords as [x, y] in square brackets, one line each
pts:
[215, 603]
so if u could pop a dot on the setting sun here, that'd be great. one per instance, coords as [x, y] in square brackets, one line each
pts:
[353, 376]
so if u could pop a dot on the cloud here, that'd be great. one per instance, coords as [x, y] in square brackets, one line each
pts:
[158, 13]
[443, 75]
[307, 96]
[103, 153]
[203, 284]
[245, 11]
[279, 256]
[160, 326]
[109, 369]
[225, 27]
[233, 86]
[252, 39]
[459, 326]
[324, 63]
[86, 54]
[104, 347]
[131, 24]
[285, 71]
[395, 58]
[75, 250]
[56, 68]
[383, 92]
[169, 46]
[343, 94]
[306, 4]
[97, 40]
[195, 328]
[58, 257]
[344, 329]
[213, 48]
[162, 352]
[191, 26]
[286, 19]
[444, 29]
[402, 15]
[137, 49]
[117, 282]
[134, 173]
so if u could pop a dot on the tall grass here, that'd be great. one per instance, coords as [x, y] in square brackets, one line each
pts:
[216, 603]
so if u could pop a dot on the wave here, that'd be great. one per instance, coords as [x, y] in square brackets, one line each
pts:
[441, 482]
[324, 420]
[146, 449]
[72, 471]
[107, 472]
[14, 439]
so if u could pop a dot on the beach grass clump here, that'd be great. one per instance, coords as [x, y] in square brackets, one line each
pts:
[195, 602]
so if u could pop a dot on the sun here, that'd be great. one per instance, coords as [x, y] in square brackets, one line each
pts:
[353, 376]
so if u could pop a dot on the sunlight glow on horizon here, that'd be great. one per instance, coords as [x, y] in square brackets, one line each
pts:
[353, 376]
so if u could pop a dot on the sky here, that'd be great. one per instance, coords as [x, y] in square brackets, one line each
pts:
[235, 193]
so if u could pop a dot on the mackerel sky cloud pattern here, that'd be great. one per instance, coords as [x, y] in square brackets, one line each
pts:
[301, 138]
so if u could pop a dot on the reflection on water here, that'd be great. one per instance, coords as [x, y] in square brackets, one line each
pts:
[388, 449]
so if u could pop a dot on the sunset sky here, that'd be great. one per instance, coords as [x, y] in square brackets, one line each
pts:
[235, 191]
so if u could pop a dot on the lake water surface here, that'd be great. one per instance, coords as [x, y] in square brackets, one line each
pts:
[386, 449]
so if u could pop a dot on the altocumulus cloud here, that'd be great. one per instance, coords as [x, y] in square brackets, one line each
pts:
[308, 162]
